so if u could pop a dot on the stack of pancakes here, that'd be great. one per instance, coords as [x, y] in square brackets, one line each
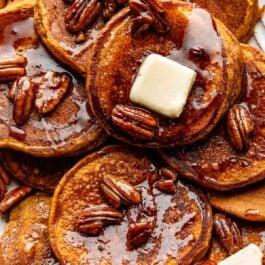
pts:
[113, 182]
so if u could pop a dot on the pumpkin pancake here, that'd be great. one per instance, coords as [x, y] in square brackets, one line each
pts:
[215, 162]
[40, 173]
[51, 26]
[239, 16]
[25, 240]
[65, 128]
[247, 204]
[122, 187]
[118, 53]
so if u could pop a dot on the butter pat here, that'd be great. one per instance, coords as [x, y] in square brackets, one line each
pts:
[250, 255]
[162, 85]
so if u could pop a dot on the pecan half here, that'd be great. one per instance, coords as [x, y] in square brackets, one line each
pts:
[239, 127]
[167, 182]
[81, 13]
[4, 175]
[166, 186]
[92, 220]
[152, 177]
[22, 94]
[139, 233]
[134, 121]
[118, 191]
[12, 67]
[3, 188]
[52, 89]
[13, 197]
[228, 232]
[168, 173]
[142, 219]
[148, 12]
[109, 8]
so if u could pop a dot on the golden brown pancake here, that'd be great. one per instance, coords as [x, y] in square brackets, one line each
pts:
[68, 128]
[40, 173]
[179, 222]
[50, 24]
[25, 240]
[247, 204]
[214, 162]
[118, 54]
[239, 16]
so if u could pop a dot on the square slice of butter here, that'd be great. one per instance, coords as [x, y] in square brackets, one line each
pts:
[162, 85]
[250, 255]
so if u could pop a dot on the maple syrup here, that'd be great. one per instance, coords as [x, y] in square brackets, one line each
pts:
[20, 38]
[194, 40]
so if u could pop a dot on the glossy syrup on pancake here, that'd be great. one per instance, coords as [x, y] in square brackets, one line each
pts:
[182, 220]
[51, 25]
[39, 61]
[214, 162]
[51, 28]
[118, 53]
[69, 127]
[239, 16]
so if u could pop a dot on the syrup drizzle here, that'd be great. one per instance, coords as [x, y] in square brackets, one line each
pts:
[40, 61]
[204, 161]
[79, 49]
[57, 133]
[168, 237]
[210, 49]
[197, 45]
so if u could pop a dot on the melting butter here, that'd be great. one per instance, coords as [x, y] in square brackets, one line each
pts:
[162, 85]
[250, 255]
